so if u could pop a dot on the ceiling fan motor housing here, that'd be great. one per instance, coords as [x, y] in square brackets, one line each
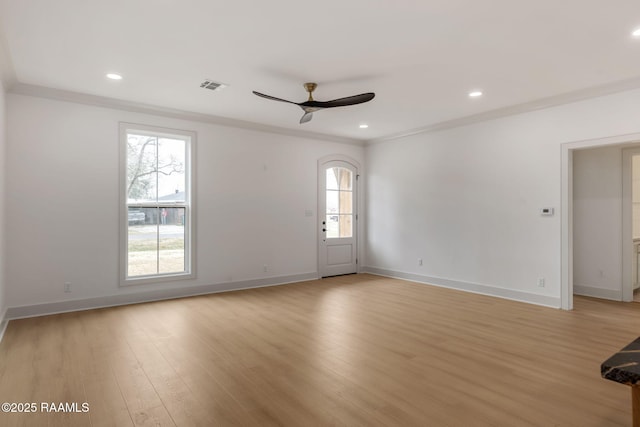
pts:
[310, 87]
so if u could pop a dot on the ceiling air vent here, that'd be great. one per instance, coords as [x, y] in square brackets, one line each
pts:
[211, 85]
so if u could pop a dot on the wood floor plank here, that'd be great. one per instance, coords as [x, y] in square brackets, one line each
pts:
[107, 405]
[356, 350]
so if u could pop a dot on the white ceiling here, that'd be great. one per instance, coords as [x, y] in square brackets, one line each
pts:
[421, 58]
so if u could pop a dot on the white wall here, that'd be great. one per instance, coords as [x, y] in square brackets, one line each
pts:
[467, 200]
[3, 145]
[597, 222]
[252, 192]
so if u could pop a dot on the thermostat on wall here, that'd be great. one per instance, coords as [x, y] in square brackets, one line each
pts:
[546, 211]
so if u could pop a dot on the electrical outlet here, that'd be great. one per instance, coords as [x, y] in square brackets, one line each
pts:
[541, 282]
[67, 287]
[420, 261]
[264, 268]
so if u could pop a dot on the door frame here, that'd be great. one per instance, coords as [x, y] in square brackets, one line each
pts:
[359, 220]
[566, 209]
[627, 222]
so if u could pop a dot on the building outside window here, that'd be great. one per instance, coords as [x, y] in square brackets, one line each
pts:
[157, 219]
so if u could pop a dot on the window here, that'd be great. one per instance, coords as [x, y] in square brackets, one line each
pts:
[157, 205]
[339, 203]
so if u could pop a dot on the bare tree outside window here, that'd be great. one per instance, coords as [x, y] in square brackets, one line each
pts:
[144, 164]
[156, 190]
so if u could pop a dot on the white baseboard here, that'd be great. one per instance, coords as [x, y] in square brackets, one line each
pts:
[4, 321]
[590, 291]
[475, 288]
[21, 312]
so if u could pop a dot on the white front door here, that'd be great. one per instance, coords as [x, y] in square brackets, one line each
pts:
[337, 185]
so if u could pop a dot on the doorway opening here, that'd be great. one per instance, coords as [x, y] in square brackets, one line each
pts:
[623, 291]
[635, 221]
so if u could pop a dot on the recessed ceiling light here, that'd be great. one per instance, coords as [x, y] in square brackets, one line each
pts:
[114, 76]
[364, 126]
[475, 94]
[636, 33]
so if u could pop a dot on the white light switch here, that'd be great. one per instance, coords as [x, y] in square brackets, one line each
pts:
[546, 211]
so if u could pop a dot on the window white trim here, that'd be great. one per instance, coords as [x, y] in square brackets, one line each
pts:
[190, 231]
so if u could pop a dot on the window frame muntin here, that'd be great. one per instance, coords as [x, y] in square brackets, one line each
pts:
[190, 139]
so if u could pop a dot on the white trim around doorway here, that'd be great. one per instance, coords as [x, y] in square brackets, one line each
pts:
[566, 208]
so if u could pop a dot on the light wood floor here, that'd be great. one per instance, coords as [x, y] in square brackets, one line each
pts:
[348, 351]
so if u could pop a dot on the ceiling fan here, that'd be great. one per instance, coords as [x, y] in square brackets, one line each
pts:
[311, 105]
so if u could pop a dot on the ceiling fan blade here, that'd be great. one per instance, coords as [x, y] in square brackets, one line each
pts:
[273, 98]
[349, 100]
[312, 105]
[306, 118]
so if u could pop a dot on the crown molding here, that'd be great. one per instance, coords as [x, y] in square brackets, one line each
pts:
[13, 86]
[540, 104]
[137, 107]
